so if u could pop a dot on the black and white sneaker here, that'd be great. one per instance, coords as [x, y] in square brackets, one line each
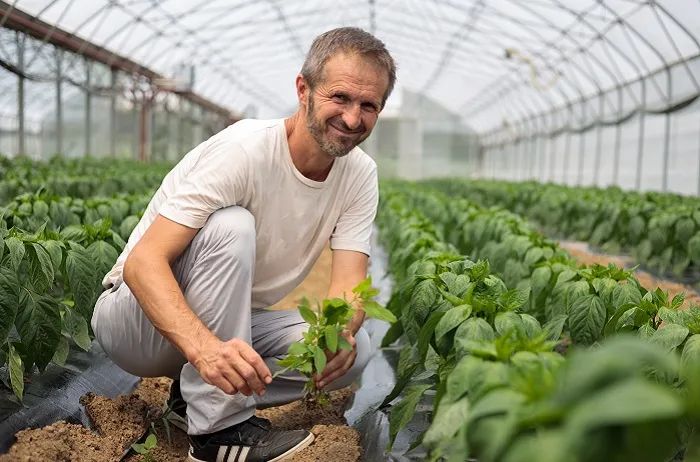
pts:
[253, 440]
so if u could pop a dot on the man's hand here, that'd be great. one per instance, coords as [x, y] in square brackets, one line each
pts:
[233, 366]
[339, 362]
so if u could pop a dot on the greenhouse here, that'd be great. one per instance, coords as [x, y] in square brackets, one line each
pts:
[416, 230]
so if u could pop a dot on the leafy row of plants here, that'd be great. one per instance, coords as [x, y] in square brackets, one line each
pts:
[68, 214]
[660, 230]
[78, 178]
[501, 391]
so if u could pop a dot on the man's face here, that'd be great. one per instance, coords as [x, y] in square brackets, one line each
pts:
[343, 109]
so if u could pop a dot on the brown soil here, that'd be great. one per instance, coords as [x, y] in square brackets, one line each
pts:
[121, 421]
[645, 279]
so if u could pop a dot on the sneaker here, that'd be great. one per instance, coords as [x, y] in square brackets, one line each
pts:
[175, 408]
[253, 440]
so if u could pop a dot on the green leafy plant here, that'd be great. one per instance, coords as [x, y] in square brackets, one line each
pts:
[327, 325]
[146, 447]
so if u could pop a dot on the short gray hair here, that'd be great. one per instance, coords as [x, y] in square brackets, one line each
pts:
[347, 40]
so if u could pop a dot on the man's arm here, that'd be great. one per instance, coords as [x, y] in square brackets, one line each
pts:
[231, 366]
[348, 269]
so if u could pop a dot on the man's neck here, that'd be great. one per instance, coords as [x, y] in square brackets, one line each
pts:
[311, 162]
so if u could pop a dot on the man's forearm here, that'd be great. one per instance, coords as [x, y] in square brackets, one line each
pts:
[152, 282]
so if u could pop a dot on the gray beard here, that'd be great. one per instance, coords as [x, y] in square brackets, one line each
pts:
[316, 131]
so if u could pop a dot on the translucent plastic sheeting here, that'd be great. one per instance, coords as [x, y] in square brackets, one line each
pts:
[485, 59]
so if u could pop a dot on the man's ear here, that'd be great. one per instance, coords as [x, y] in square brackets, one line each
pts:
[303, 90]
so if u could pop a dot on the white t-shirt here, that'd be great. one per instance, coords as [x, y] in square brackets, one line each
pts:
[249, 164]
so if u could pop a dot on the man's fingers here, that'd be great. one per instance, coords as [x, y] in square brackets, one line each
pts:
[335, 363]
[237, 381]
[256, 362]
[250, 375]
[339, 372]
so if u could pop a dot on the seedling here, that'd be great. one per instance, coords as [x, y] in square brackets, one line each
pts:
[326, 333]
[145, 448]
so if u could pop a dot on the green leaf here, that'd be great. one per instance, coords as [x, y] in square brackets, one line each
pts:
[308, 315]
[443, 425]
[16, 372]
[16, 251]
[426, 334]
[690, 358]
[533, 256]
[424, 296]
[452, 319]
[331, 336]
[319, 360]
[41, 273]
[344, 344]
[403, 412]
[555, 326]
[127, 226]
[514, 299]
[506, 321]
[75, 233]
[39, 326]
[540, 279]
[77, 327]
[82, 280]
[9, 301]
[297, 348]
[151, 441]
[61, 353]
[670, 336]
[376, 311]
[531, 324]
[104, 254]
[678, 301]
[575, 291]
[626, 294]
[587, 317]
[470, 330]
[670, 316]
[619, 405]
[363, 286]
[55, 251]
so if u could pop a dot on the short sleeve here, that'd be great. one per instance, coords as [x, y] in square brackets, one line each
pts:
[354, 228]
[218, 179]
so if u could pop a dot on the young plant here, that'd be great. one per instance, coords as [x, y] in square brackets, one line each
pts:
[326, 334]
[145, 448]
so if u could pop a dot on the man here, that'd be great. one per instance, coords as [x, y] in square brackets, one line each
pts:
[235, 227]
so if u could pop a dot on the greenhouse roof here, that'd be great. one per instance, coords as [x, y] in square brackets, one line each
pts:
[491, 61]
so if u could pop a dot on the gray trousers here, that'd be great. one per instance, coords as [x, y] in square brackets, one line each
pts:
[215, 273]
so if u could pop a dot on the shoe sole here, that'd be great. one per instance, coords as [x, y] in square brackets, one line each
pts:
[296, 449]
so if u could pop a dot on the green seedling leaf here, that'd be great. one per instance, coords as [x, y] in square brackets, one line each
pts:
[344, 344]
[151, 441]
[514, 299]
[55, 251]
[39, 326]
[452, 319]
[555, 326]
[443, 425]
[82, 280]
[319, 360]
[331, 335]
[308, 315]
[586, 319]
[376, 311]
[297, 348]
[41, 272]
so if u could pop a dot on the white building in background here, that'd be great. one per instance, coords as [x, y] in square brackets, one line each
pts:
[416, 137]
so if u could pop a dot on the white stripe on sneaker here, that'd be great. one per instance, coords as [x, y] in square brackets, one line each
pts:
[244, 454]
[233, 457]
[221, 454]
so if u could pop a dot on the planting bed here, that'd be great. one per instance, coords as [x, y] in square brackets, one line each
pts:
[120, 421]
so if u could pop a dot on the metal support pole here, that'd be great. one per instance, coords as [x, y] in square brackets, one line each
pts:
[88, 109]
[59, 102]
[567, 151]
[136, 130]
[113, 116]
[581, 153]
[20, 94]
[667, 135]
[618, 136]
[152, 132]
[599, 141]
[181, 129]
[169, 134]
[544, 144]
[553, 147]
[640, 155]
[143, 126]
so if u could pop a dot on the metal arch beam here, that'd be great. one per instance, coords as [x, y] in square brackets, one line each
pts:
[496, 39]
[283, 19]
[564, 58]
[446, 55]
[18, 20]
[206, 60]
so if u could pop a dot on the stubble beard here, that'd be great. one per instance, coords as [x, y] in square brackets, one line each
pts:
[334, 147]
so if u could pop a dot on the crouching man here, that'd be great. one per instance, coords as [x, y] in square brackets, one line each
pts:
[236, 226]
